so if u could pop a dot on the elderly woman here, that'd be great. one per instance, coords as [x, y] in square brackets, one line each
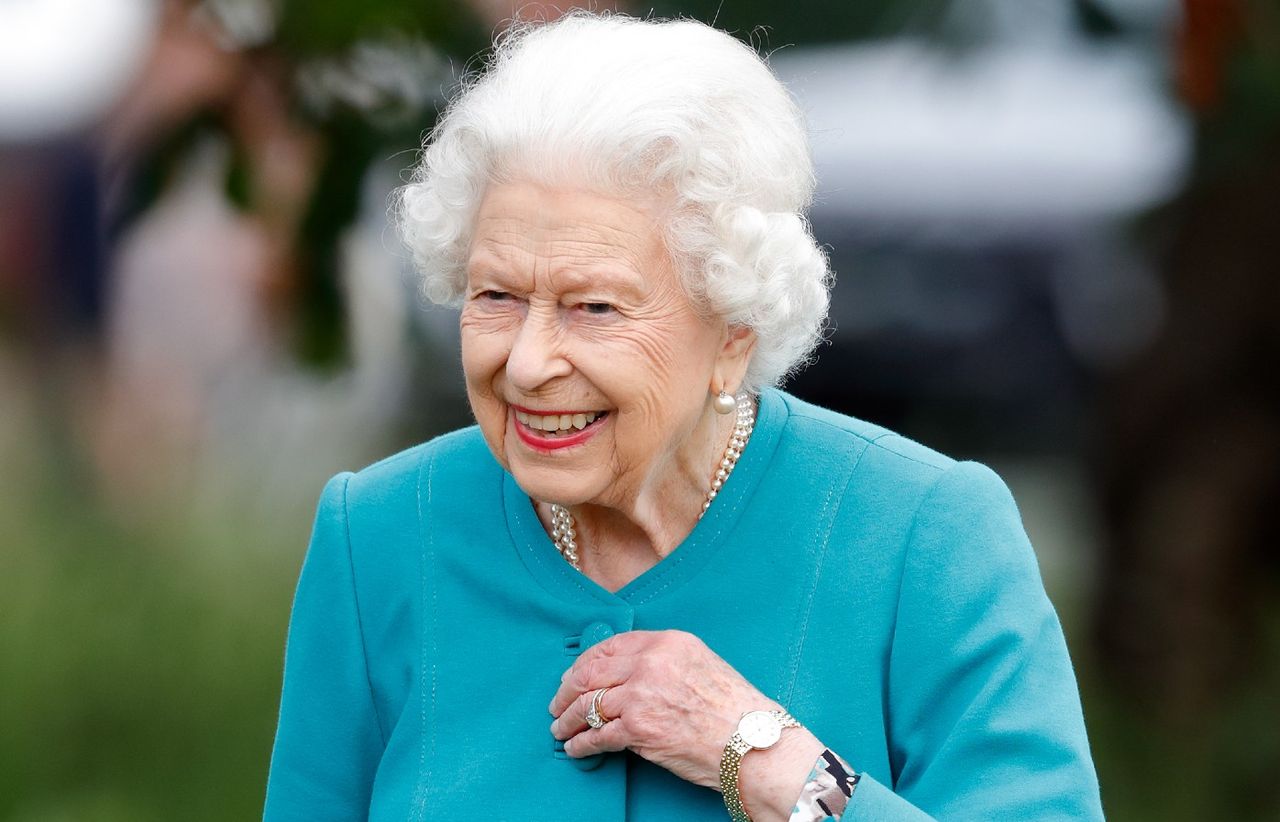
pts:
[647, 584]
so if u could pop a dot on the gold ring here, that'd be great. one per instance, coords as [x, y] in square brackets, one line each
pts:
[595, 716]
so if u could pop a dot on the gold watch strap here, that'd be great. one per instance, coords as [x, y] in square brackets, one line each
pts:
[731, 767]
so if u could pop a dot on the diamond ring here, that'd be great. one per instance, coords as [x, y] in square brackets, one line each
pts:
[595, 716]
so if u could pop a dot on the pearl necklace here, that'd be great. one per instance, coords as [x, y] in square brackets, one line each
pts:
[564, 532]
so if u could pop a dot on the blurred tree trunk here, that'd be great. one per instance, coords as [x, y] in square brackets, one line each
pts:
[1189, 446]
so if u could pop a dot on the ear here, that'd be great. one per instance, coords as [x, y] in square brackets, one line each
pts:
[733, 359]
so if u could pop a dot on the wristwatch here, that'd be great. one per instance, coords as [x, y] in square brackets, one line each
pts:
[756, 731]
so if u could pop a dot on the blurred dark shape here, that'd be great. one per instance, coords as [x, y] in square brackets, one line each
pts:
[501, 13]
[1205, 41]
[51, 251]
[1188, 450]
[957, 339]
[321, 89]
[1095, 20]
[53, 282]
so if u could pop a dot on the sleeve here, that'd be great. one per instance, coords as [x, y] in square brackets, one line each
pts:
[328, 741]
[827, 790]
[983, 709]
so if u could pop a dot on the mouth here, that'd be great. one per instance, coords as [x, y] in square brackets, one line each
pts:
[558, 425]
[560, 429]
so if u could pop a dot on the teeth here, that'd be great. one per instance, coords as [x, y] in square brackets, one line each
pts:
[558, 422]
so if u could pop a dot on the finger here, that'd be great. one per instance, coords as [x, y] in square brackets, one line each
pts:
[622, 644]
[585, 677]
[574, 718]
[611, 737]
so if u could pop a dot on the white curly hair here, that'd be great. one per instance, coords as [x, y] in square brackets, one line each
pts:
[625, 106]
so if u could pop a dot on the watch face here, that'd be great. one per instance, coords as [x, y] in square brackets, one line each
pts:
[759, 729]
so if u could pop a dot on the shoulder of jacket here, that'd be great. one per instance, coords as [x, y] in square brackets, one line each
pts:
[888, 449]
[456, 451]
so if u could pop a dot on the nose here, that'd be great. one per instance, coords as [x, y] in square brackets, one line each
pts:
[537, 354]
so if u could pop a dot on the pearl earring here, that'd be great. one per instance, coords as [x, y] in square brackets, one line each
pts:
[725, 404]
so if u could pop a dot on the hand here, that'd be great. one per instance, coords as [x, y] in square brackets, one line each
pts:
[673, 701]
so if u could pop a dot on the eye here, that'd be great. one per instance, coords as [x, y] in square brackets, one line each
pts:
[494, 295]
[597, 308]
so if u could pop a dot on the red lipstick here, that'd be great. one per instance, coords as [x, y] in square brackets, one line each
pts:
[533, 438]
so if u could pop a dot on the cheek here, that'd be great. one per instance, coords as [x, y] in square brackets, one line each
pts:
[484, 353]
[657, 349]
[477, 363]
[634, 368]
[659, 372]
[485, 346]
[676, 346]
[670, 359]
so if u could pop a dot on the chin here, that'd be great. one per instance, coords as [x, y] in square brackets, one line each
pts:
[553, 485]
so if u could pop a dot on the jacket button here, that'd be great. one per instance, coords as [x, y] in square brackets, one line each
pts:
[585, 763]
[595, 632]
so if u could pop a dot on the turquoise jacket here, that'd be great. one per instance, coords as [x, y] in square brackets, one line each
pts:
[883, 593]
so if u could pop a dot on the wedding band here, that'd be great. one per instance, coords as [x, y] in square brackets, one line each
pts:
[595, 716]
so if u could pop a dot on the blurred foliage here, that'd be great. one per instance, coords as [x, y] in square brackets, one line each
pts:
[350, 137]
[311, 28]
[1213, 767]
[353, 139]
[141, 659]
[1229, 73]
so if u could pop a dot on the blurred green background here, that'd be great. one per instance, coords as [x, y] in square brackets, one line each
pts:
[1054, 227]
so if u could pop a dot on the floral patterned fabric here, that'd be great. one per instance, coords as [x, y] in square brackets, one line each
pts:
[826, 791]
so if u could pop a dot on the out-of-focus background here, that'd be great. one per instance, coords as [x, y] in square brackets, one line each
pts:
[1054, 224]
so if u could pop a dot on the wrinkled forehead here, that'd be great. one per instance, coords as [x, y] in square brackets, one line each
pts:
[639, 178]
[523, 224]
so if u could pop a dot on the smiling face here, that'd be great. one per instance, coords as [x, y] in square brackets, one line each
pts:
[587, 367]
